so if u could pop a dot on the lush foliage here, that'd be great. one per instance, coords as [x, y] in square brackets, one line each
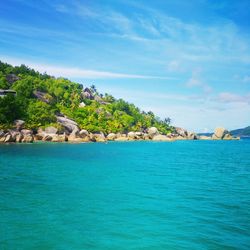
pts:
[58, 95]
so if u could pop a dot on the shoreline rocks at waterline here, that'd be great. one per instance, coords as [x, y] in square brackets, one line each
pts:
[71, 132]
[25, 135]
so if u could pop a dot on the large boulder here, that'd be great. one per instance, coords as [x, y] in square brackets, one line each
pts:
[220, 133]
[76, 137]
[11, 78]
[75, 132]
[83, 133]
[145, 137]
[192, 136]
[27, 132]
[73, 137]
[227, 137]
[132, 136]
[139, 134]
[51, 130]
[59, 138]
[99, 137]
[27, 135]
[42, 96]
[181, 131]
[48, 137]
[40, 134]
[28, 138]
[19, 137]
[87, 93]
[16, 135]
[2, 136]
[9, 138]
[68, 124]
[153, 131]
[19, 124]
[111, 136]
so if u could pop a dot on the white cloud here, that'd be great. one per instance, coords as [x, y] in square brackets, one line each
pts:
[59, 71]
[161, 39]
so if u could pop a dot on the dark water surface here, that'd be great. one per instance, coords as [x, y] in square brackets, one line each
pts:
[132, 195]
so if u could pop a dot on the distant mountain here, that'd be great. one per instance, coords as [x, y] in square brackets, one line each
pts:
[205, 134]
[242, 132]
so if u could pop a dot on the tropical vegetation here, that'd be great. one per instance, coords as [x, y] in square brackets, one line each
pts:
[40, 97]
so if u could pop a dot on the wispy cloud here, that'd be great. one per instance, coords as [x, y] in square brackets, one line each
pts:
[139, 40]
[59, 71]
[196, 81]
[202, 43]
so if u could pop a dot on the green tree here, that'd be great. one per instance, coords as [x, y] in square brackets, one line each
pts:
[24, 87]
[9, 109]
[39, 114]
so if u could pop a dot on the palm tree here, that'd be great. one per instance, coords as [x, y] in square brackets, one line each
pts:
[93, 88]
[167, 121]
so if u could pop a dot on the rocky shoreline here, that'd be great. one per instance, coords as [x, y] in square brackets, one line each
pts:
[72, 133]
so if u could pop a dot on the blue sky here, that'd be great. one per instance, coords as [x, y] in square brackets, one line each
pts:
[188, 60]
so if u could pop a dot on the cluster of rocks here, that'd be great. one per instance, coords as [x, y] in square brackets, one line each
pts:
[70, 131]
[42, 96]
[219, 134]
[19, 134]
[222, 134]
[87, 93]
[74, 134]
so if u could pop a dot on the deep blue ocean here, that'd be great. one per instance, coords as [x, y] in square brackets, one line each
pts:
[130, 195]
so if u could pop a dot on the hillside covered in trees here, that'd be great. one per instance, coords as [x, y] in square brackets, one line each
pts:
[40, 98]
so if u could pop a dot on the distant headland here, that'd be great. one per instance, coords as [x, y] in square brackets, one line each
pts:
[35, 106]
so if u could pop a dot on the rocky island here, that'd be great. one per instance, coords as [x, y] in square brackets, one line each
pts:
[39, 107]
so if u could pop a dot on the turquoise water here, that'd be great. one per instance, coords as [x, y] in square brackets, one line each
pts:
[132, 195]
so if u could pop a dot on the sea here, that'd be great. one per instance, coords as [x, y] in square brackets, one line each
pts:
[125, 195]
